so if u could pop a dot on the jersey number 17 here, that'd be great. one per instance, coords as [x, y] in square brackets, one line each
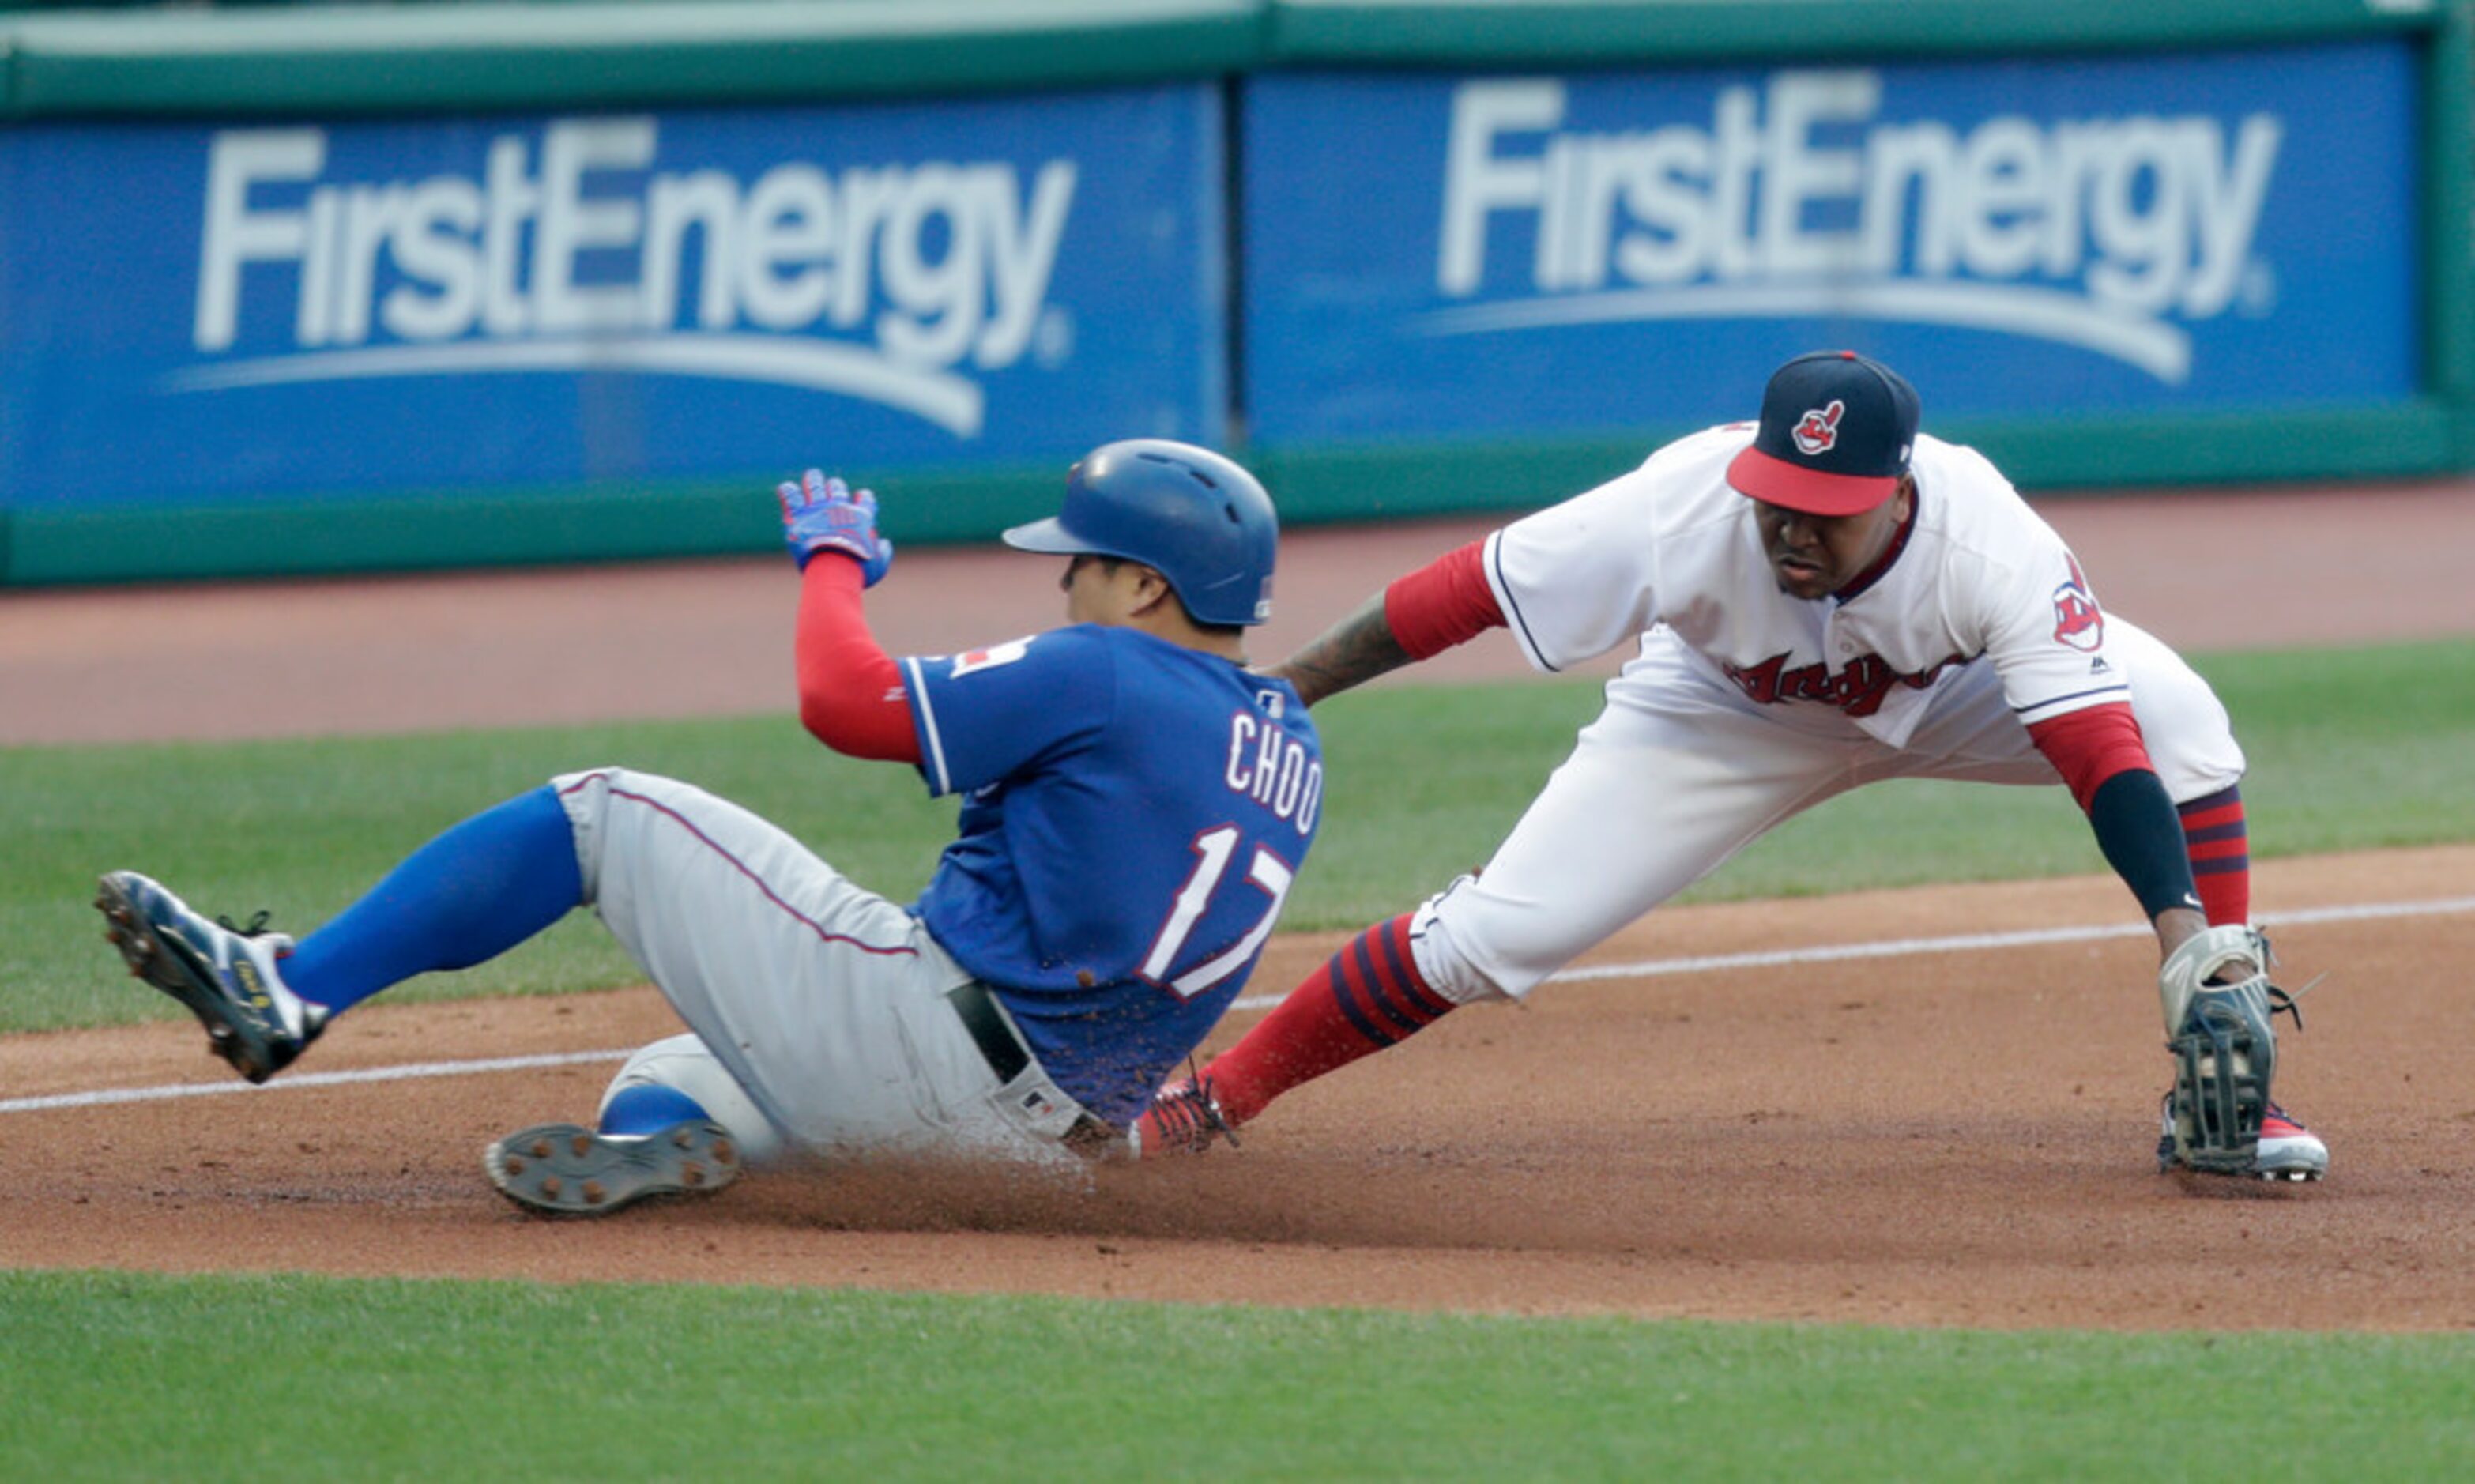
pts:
[1214, 851]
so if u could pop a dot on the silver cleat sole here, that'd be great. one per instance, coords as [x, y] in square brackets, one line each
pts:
[563, 1170]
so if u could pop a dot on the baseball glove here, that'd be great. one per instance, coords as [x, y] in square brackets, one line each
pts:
[2224, 1044]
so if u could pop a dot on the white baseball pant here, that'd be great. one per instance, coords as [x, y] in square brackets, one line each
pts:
[1681, 770]
[818, 1009]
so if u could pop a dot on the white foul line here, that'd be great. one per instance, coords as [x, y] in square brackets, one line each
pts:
[1834, 953]
[1971, 942]
[376, 1074]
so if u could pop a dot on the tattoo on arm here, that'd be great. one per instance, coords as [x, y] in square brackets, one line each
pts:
[1351, 653]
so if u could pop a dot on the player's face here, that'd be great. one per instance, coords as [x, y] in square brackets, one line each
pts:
[1083, 583]
[1101, 591]
[1815, 555]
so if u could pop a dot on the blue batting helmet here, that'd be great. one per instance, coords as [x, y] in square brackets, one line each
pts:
[1198, 519]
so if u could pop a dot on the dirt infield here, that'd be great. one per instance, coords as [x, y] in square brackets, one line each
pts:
[1904, 1135]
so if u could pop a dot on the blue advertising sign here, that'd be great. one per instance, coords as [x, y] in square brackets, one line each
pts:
[1516, 254]
[202, 314]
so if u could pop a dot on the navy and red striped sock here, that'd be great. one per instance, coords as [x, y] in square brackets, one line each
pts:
[1365, 997]
[2219, 842]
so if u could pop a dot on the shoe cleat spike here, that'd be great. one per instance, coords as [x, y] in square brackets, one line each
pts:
[224, 975]
[565, 1170]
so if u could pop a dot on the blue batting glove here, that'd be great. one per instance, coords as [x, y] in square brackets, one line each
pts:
[820, 513]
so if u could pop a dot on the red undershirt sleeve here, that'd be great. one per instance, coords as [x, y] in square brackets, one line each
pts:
[2090, 746]
[1443, 603]
[851, 695]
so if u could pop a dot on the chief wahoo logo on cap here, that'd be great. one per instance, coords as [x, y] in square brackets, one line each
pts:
[1834, 436]
[1819, 429]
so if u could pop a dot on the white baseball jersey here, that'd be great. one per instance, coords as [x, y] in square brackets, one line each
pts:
[1671, 542]
[1748, 705]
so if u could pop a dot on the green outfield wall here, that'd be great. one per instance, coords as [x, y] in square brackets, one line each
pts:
[2242, 232]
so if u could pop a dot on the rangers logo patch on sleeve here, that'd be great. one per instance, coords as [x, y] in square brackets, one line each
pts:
[990, 658]
[2077, 621]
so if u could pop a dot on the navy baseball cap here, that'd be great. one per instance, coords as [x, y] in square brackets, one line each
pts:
[1835, 435]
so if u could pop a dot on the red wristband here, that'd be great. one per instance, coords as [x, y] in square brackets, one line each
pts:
[1443, 603]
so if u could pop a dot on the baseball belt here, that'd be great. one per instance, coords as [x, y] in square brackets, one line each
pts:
[1008, 1059]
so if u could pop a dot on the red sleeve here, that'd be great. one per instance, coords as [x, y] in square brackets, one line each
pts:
[1443, 603]
[850, 693]
[2091, 745]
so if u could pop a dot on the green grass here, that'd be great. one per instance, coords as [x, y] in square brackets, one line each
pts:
[2351, 749]
[303, 827]
[136, 1377]
[115, 1376]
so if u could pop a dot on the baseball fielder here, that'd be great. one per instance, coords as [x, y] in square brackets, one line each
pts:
[1822, 600]
[1135, 805]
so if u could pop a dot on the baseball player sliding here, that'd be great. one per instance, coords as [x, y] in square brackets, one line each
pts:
[1822, 601]
[1026, 1007]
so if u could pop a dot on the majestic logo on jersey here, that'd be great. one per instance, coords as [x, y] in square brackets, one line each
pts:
[1818, 432]
[1814, 195]
[2077, 622]
[1857, 690]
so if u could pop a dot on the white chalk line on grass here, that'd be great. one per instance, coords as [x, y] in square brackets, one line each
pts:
[1976, 942]
[1830, 953]
[374, 1074]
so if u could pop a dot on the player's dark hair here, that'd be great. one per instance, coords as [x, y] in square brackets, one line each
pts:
[1222, 630]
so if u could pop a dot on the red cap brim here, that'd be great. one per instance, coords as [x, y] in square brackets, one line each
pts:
[1777, 482]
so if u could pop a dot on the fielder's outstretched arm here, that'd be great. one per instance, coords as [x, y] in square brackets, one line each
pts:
[1442, 604]
[2101, 756]
[1351, 653]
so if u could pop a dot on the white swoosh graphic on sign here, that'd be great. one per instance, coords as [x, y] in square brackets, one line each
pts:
[952, 403]
[2160, 350]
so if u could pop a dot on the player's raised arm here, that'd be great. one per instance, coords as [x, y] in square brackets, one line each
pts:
[850, 691]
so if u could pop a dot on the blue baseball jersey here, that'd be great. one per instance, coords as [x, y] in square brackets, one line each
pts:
[1133, 814]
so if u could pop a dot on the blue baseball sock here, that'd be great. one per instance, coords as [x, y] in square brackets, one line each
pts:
[469, 895]
[648, 1108]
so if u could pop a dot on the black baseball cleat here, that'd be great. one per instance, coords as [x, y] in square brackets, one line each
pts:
[561, 1170]
[226, 975]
